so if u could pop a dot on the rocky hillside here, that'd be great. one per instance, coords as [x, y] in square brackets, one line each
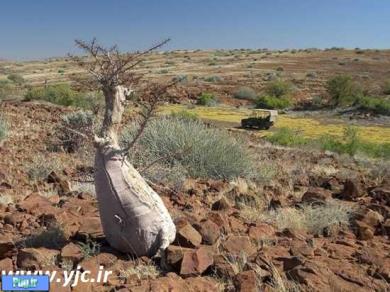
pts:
[316, 222]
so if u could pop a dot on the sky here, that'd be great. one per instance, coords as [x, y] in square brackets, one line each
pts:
[36, 29]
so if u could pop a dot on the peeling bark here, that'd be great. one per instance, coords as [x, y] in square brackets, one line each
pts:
[134, 218]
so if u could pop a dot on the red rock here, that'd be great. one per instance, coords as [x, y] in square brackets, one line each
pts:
[223, 268]
[381, 195]
[246, 281]
[209, 230]
[72, 252]
[166, 284]
[7, 247]
[202, 284]
[90, 228]
[221, 205]
[386, 227]
[261, 231]
[364, 231]
[36, 205]
[316, 195]
[6, 265]
[175, 254]
[236, 245]
[290, 262]
[196, 262]
[187, 236]
[36, 258]
[301, 249]
[352, 190]
[237, 226]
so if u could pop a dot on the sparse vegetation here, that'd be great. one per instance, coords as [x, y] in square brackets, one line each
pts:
[16, 78]
[376, 105]
[271, 102]
[53, 237]
[201, 151]
[386, 87]
[207, 99]
[90, 248]
[40, 167]
[61, 94]
[74, 129]
[3, 129]
[350, 143]
[343, 90]
[245, 93]
[278, 88]
[141, 271]
[313, 219]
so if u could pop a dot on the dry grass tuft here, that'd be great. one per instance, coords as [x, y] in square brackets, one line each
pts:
[311, 218]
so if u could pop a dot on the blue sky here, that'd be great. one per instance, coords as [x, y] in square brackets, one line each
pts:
[32, 29]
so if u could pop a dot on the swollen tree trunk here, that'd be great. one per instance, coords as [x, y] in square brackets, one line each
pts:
[134, 218]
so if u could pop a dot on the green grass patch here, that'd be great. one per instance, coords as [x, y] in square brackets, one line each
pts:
[350, 143]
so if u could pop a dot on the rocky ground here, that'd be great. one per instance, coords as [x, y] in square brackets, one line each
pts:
[226, 238]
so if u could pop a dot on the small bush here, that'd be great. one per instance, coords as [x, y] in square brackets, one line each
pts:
[375, 105]
[7, 89]
[61, 94]
[278, 88]
[16, 78]
[245, 93]
[343, 90]
[313, 219]
[207, 99]
[287, 137]
[73, 125]
[351, 144]
[3, 129]
[192, 146]
[271, 102]
[386, 87]
[213, 79]
[40, 168]
[186, 115]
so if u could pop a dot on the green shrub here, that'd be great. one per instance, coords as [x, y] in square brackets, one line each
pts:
[386, 87]
[287, 137]
[186, 115]
[207, 99]
[7, 89]
[375, 105]
[278, 88]
[245, 93]
[191, 146]
[3, 129]
[16, 78]
[213, 79]
[271, 102]
[351, 144]
[61, 94]
[72, 125]
[343, 90]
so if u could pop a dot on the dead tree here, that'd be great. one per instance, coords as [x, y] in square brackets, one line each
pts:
[134, 218]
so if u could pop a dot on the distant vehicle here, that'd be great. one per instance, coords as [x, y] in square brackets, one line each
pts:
[260, 119]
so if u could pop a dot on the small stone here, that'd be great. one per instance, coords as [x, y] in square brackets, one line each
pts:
[316, 195]
[7, 247]
[187, 236]
[196, 262]
[209, 230]
[236, 245]
[72, 252]
[246, 281]
[221, 205]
